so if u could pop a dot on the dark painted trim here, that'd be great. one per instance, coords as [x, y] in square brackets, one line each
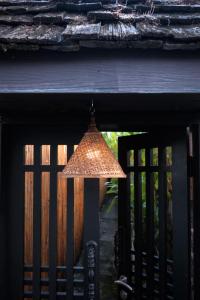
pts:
[181, 218]
[91, 231]
[195, 129]
[2, 225]
[100, 72]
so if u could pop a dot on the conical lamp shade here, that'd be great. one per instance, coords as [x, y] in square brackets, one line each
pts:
[93, 158]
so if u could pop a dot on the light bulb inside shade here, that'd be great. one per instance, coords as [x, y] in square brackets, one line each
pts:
[93, 154]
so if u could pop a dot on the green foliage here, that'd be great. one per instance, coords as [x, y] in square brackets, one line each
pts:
[111, 139]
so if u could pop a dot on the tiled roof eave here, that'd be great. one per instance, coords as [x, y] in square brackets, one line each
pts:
[71, 26]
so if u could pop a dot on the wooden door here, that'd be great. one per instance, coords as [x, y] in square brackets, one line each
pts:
[153, 234]
[52, 248]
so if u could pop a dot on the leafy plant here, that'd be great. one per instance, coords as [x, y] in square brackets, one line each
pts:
[112, 188]
[111, 139]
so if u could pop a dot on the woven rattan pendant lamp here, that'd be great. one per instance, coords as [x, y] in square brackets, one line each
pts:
[93, 158]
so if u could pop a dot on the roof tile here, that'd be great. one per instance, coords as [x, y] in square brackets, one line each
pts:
[4, 29]
[39, 34]
[79, 7]
[179, 19]
[86, 31]
[119, 31]
[186, 33]
[50, 18]
[16, 20]
[78, 19]
[103, 15]
[36, 24]
[153, 31]
[24, 2]
[129, 32]
[165, 8]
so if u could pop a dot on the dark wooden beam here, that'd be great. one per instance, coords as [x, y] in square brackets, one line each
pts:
[141, 121]
[100, 72]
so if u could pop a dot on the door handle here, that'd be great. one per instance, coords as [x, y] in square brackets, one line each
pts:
[122, 282]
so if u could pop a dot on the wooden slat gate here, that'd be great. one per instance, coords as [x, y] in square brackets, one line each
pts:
[52, 248]
[153, 235]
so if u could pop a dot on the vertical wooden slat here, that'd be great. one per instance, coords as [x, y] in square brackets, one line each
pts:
[2, 225]
[28, 218]
[149, 225]
[37, 226]
[16, 220]
[28, 225]
[122, 208]
[78, 215]
[138, 229]
[53, 224]
[124, 216]
[181, 211]
[61, 220]
[45, 196]
[91, 236]
[127, 222]
[162, 206]
[70, 232]
[196, 208]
